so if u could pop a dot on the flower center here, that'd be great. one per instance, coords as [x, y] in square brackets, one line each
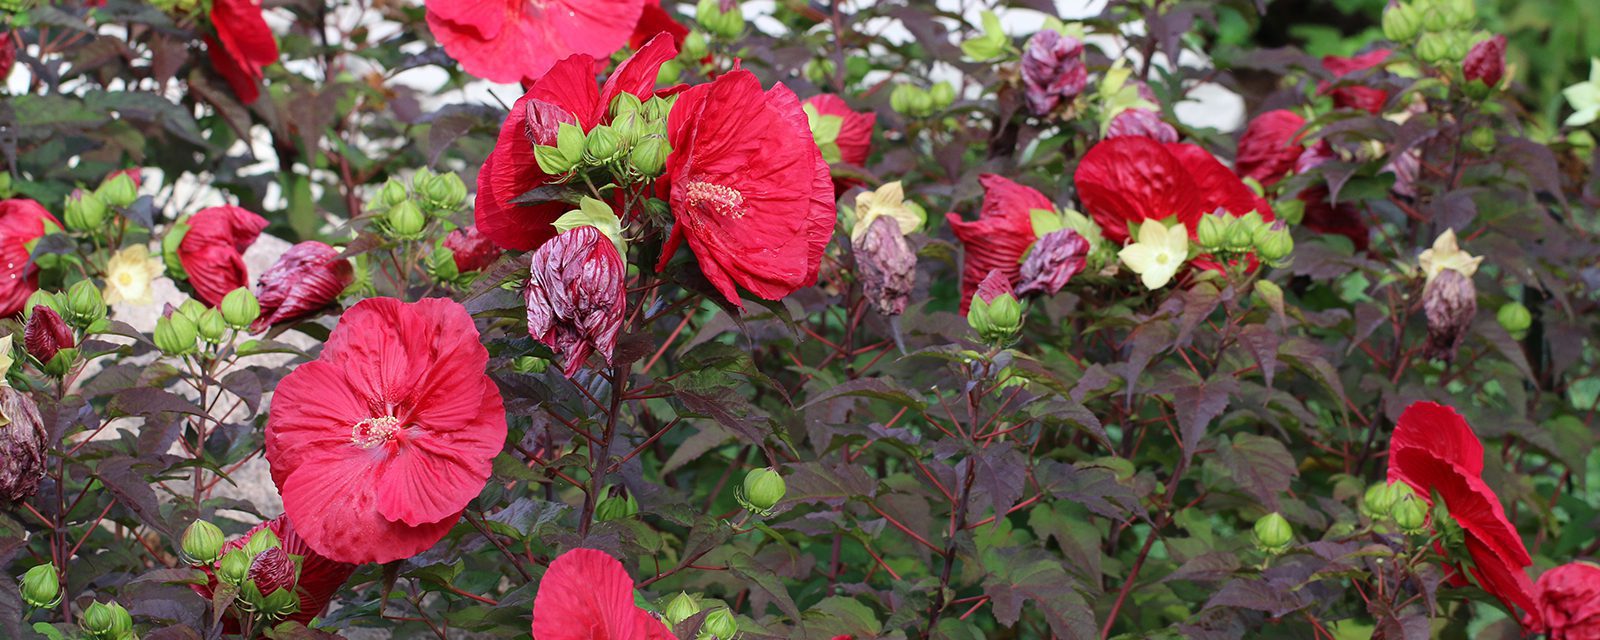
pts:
[373, 432]
[1162, 258]
[719, 199]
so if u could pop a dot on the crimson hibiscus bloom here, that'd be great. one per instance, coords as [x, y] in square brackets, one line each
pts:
[1345, 96]
[379, 444]
[21, 222]
[308, 277]
[243, 45]
[1270, 146]
[1125, 181]
[587, 595]
[750, 189]
[855, 133]
[212, 250]
[319, 577]
[521, 40]
[655, 20]
[566, 94]
[1001, 235]
[1569, 601]
[1434, 451]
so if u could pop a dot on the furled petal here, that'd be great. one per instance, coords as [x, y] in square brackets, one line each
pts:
[1569, 601]
[306, 278]
[212, 251]
[1270, 146]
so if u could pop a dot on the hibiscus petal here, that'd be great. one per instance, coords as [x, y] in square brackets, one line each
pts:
[637, 74]
[21, 221]
[432, 476]
[1132, 179]
[587, 594]
[1218, 187]
[312, 410]
[333, 502]
[1442, 433]
[995, 243]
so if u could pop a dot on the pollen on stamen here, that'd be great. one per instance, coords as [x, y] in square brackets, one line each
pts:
[372, 432]
[720, 199]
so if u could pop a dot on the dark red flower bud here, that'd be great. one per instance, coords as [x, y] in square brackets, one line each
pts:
[211, 252]
[1486, 62]
[1142, 123]
[308, 277]
[544, 121]
[472, 250]
[575, 295]
[46, 334]
[22, 445]
[886, 265]
[8, 55]
[993, 286]
[1270, 146]
[1450, 301]
[272, 570]
[1055, 258]
[1052, 70]
[1314, 156]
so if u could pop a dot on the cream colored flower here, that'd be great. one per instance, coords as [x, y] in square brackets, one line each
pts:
[1585, 97]
[888, 200]
[1158, 254]
[129, 274]
[1445, 254]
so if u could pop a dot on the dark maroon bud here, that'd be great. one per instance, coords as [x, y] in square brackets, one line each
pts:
[1052, 70]
[471, 249]
[886, 265]
[8, 55]
[46, 334]
[1450, 301]
[1142, 123]
[22, 445]
[308, 277]
[543, 121]
[1053, 261]
[993, 286]
[272, 570]
[575, 296]
[1486, 62]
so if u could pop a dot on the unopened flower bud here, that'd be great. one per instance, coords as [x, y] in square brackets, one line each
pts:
[1449, 301]
[1434, 17]
[530, 365]
[191, 309]
[1272, 533]
[680, 608]
[240, 308]
[85, 211]
[211, 326]
[1410, 513]
[234, 568]
[602, 145]
[1485, 65]
[995, 312]
[272, 570]
[45, 298]
[46, 334]
[819, 70]
[616, 508]
[1142, 123]
[723, 24]
[1433, 47]
[624, 105]
[1052, 261]
[694, 46]
[202, 543]
[649, 157]
[910, 100]
[1213, 230]
[260, 542]
[1401, 22]
[719, 625]
[175, 335]
[763, 488]
[886, 266]
[41, 587]
[1379, 500]
[1053, 70]
[85, 305]
[405, 221]
[1514, 318]
[444, 193]
[393, 193]
[118, 190]
[471, 250]
[1273, 242]
[97, 619]
[1458, 13]
[942, 94]
[575, 295]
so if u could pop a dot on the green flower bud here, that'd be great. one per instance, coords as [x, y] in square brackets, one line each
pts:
[719, 624]
[277, 605]
[570, 139]
[629, 129]
[1401, 23]
[62, 362]
[1241, 234]
[1459, 13]
[616, 508]
[1514, 317]
[202, 543]
[261, 541]
[406, 221]
[625, 104]
[904, 99]
[41, 587]
[681, 608]
[1212, 232]
[669, 73]
[820, 70]
[1410, 513]
[84, 304]
[121, 622]
[1433, 48]
[1273, 242]
[997, 321]
[234, 568]
[552, 161]
[5, 184]
[393, 193]
[118, 191]
[445, 192]
[175, 335]
[84, 211]
[421, 179]
[45, 298]
[603, 144]
[649, 157]
[942, 95]
[1379, 500]
[192, 309]
[97, 619]
[726, 25]
[211, 326]
[1460, 45]
[657, 109]
[240, 308]
[530, 365]
[1273, 534]
[695, 47]
[1435, 18]
[1482, 138]
[441, 264]
[763, 488]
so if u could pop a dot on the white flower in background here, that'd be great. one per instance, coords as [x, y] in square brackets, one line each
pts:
[1158, 254]
[129, 274]
[1585, 97]
[1445, 254]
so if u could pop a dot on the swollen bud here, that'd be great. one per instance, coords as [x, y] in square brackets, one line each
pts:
[394, 193]
[719, 624]
[211, 326]
[995, 312]
[175, 335]
[41, 587]
[819, 70]
[649, 157]
[85, 306]
[1212, 232]
[763, 488]
[240, 308]
[1514, 318]
[680, 608]
[1401, 22]
[1273, 242]
[1379, 500]
[603, 144]
[261, 541]
[694, 46]
[85, 211]
[118, 191]
[723, 24]
[1410, 513]
[406, 221]
[1273, 534]
[942, 94]
[202, 543]
[616, 507]
[234, 568]
[107, 621]
[444, 192]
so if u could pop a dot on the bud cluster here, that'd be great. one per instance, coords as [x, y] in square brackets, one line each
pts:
[915, 102]
[721, 18]
[1397, 503]
[1222, 234]
[633, 147]
[88, 211]
[1441, 30]
[406, 211]
[107, 621]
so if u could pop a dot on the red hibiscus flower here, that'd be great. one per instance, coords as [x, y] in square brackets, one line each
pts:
[1001, 235]
[1128, 180]
[575, 295]
[470, 250]
[212, 250]
[21, 222]
[1569, 601]
[750, 189]
[655, 20]
[242, 46]
[1270, 146]
[379, 443]
[1345, 96]
[855, 134]
[308, 277]
[520, 40]
[319, 577]
[566, 94]
[587, 595]
[1435, 452]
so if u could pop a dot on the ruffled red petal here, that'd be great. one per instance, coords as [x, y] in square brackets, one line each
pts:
[1270, 146]
[1131, 179]
[212, 250]
[518, 40]
[1218, 187]
[655, 20]
[243, 45]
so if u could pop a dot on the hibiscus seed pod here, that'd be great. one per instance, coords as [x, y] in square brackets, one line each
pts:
[680, 608]
[234, 568]
[84, 211]
[41, 587]
[1052, 70]
[46, 334]
[886, 266]
[1054, 259]
[1450, 302]
[763, 488]
[1514, 318]
[202, 543]
[22, 445]
[118, 190]
[85, 306]
[272, 570]
[1272, 533]
[719, 625]
[175, 335]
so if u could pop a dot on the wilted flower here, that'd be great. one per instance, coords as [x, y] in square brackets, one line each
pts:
[243, 45]
[470, 249]
[1143, 123]
[1270, 146]
[211, 250]
[378, 444]
[46, 333]
[22, 445]
[1053, 70]
[21, 222]
[586, 591]
[514, 41]
[1445, 254]
[129, 273]
[1158, 253]
[886, 265]
[1001, 235]
[575, 296]
[1450, 301]
[306, 278]
[1054, 259]
[1569, 601]
[1486, 62]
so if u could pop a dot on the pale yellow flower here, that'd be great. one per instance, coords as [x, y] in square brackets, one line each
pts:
[129, 274]
[1158, 254]
[1445, 254]
[887, 200]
